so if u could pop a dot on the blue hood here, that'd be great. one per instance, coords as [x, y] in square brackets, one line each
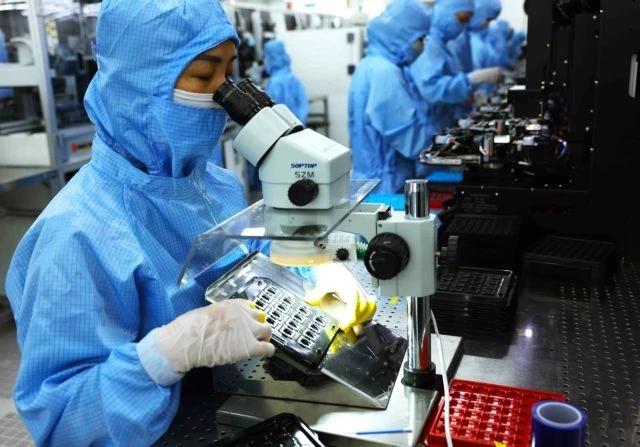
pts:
[393, 33]
[138, 65]
[445, 25]
[275, 56]
[484, 10]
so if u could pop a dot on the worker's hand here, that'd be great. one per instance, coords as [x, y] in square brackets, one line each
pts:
[218, 334]
[338, 293]
[479, 98]
[491, 75]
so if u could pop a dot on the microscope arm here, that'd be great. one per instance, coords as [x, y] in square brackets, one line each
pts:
[364, 219]
[401, 252]
[401, 258]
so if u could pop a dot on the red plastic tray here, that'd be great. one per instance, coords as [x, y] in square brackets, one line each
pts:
[483, 414]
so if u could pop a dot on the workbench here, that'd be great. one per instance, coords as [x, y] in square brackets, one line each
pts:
[578, 340]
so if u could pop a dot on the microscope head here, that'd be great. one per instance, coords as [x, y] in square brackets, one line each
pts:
[298, 168]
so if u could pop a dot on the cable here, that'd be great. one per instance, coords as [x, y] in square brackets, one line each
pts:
[361, 248]
[445, 384]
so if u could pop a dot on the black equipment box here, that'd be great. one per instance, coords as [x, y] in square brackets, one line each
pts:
[581, 260]
[482, 240]
[473, 302]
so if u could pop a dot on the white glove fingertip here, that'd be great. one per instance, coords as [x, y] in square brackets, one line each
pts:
[264, 349]
[261, 331]
[255, 314]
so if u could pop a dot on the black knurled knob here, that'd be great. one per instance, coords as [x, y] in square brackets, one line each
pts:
[386, 256]
[342, 254]
[303, 192]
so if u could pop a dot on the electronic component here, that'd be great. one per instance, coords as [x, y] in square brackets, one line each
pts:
[301, 333]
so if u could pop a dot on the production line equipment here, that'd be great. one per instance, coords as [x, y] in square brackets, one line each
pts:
[517, 151]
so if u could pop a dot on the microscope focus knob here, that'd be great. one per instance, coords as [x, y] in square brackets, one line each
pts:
[342, 254]
[386, 256]
[303, 192]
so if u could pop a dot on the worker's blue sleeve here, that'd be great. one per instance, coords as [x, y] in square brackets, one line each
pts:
[393, 113]
[81, 381]
[435, 83]
[483, 55]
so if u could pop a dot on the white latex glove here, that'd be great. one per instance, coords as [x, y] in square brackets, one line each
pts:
[491, 75]
[218, 334]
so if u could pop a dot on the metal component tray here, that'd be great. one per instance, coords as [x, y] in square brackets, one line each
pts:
[301, 333]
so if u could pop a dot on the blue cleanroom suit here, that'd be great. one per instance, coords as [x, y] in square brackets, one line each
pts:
[283, 86]
[97, 271]
[482, 53]
[5, 92]
[385, 129]
[497, 39]
[437, 74]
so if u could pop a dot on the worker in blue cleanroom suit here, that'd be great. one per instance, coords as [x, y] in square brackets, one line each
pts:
[483, 54]
[105, 332]
[283, 86]
[460, 47]
[386, 131]
[436, 73]
[470, 47]
[498, 42]
[515, 44]
[5, 92]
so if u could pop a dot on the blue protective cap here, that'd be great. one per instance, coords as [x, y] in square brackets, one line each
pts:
[394, 32]
[445, 23]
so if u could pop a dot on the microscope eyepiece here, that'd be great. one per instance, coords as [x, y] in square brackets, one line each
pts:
[247, 86]
[243, 101]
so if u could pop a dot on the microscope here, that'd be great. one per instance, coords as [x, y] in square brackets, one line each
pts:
[307, 195]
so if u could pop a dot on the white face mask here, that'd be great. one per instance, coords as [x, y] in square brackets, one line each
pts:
[197, 100]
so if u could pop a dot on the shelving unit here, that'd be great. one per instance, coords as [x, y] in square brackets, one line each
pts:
[44, 132]
[319, 119]
[44, 151]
